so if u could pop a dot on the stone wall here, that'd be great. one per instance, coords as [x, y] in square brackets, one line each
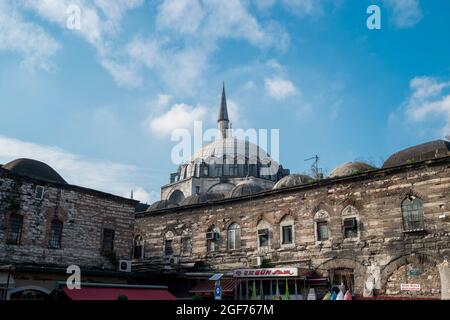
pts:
[84, 214]
[378, 255]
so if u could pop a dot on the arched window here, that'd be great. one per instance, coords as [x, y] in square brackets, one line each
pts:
[234, 237]
[15, 229]
[412, 212]
[212, 239]
[177, 196]
[138, 252]
[56, 229]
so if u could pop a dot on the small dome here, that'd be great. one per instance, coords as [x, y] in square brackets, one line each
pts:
[293, 180]
[350, 168]
[162, 204]
[34, 169]
[246, 188]
[422, 152]
[201, 198]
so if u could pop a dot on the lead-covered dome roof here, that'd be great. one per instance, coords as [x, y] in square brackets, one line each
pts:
[246, 188]
[201, 198]
[162, 204]
[422, 152]
[293, 180]
[350, 168]
[34, 169]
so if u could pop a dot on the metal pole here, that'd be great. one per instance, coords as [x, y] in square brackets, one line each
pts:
[5, 295]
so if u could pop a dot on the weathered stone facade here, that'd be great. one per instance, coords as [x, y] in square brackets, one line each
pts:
[380, 255]
[84, 214]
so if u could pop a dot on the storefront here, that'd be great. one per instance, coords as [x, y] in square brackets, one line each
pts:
[267, 284]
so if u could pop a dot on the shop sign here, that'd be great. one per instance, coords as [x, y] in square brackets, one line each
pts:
[410, 286]
[267, 273]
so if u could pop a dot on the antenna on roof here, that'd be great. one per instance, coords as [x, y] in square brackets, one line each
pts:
[316, 171]
[132, 194]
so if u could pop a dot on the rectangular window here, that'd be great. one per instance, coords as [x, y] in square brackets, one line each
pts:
[350, 228]
[39, 192]
[56, 234]
[286, 234]
[186, 245]
[108, 241]
[263, 236]
[168, 249]
[15, 229]
[322, 231]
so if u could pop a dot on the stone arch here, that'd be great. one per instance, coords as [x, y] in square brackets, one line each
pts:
[413, 258]
[27, 288]
[176, 196]
[321, 206]
[285, 215]
[341, 263]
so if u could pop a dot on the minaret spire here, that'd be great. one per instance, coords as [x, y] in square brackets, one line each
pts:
[223, 114]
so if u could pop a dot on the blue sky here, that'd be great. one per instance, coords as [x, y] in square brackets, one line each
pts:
[99, 103]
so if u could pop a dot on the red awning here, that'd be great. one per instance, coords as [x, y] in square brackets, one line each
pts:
[96, 293]
[207, 287]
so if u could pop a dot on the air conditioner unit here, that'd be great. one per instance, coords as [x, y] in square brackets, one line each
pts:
[124, 266]
[211, 236]
[257, 261]
[173, 260]
[263, 232]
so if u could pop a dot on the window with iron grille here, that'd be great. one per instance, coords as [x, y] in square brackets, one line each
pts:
[168, 249]
[286, 235]
[322, 230]
[108, 241]
[350, 228]
[15, 229]
[412, 211]
[56, 229]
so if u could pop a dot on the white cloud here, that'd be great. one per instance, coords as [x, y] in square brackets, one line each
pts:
[30, 41]
[405, 13]
[304, 7]
[279, 88]
[96, 174]
[180, 116]
[429, 99]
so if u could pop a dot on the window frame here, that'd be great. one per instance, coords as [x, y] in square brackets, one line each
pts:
[105, 250]
[345, 229]
[287, 222]
[406, 215]
[318, 234]
[18, 238]
[55, 242]
[234, 232]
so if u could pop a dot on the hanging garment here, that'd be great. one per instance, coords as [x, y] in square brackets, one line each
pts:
[348, 295]
[340, 295]
[327, 296]
[312, 294]
[333, 296]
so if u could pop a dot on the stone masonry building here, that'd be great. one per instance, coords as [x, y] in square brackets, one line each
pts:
[383, 231]
[47, 225]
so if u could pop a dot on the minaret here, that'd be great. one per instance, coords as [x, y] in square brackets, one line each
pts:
[223, 120]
